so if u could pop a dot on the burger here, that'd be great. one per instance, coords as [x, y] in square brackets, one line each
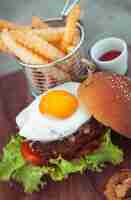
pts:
[68, 130]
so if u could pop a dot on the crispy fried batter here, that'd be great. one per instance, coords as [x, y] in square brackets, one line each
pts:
[38, 23]
[52, 35]
[76, 37]
[70, 29]
[3, 48]
[118, 186]
[5, 24]
[37, 44]
[41, 42]
[19, 51]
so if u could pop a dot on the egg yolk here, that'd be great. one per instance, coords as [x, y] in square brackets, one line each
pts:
[58, 103]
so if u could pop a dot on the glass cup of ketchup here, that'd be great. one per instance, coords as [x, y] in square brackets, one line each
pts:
[111, 54]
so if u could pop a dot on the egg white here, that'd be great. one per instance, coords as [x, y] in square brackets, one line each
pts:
[39, 127]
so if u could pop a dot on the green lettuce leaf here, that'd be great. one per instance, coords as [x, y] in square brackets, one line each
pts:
[62, 168]
[108, 152]
[30, 177]
[12, 158]
[13, 166]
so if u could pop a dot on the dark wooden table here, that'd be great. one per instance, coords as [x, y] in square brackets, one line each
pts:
[13, 98]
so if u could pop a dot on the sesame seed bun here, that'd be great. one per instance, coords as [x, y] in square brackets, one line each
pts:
[108, 98]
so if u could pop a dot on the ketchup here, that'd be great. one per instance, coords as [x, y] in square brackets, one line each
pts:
[110, 55]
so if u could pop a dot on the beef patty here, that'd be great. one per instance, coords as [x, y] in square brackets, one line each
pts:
[82, 142]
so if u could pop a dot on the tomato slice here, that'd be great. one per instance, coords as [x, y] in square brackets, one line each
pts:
[30, 155]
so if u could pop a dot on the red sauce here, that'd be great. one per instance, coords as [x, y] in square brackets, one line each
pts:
[110, 55]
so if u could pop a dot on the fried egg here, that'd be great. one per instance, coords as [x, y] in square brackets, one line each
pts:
[53, 115]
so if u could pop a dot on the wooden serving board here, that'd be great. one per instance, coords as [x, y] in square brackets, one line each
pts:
[89, 186]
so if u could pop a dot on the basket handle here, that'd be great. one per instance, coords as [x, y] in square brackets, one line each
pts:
[68, 7]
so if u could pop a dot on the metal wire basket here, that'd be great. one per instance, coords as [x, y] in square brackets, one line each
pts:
[42, 77]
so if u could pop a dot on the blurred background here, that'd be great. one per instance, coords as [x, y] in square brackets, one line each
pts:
[101, 18]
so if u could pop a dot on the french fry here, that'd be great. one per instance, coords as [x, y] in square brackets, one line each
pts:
[76, 38]
[67, 48]
[70, 28]
[3, 48]
[37, 44]
[19, 51]
[52, 35]
[23, 28]
[5, 24]
[38, 23]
